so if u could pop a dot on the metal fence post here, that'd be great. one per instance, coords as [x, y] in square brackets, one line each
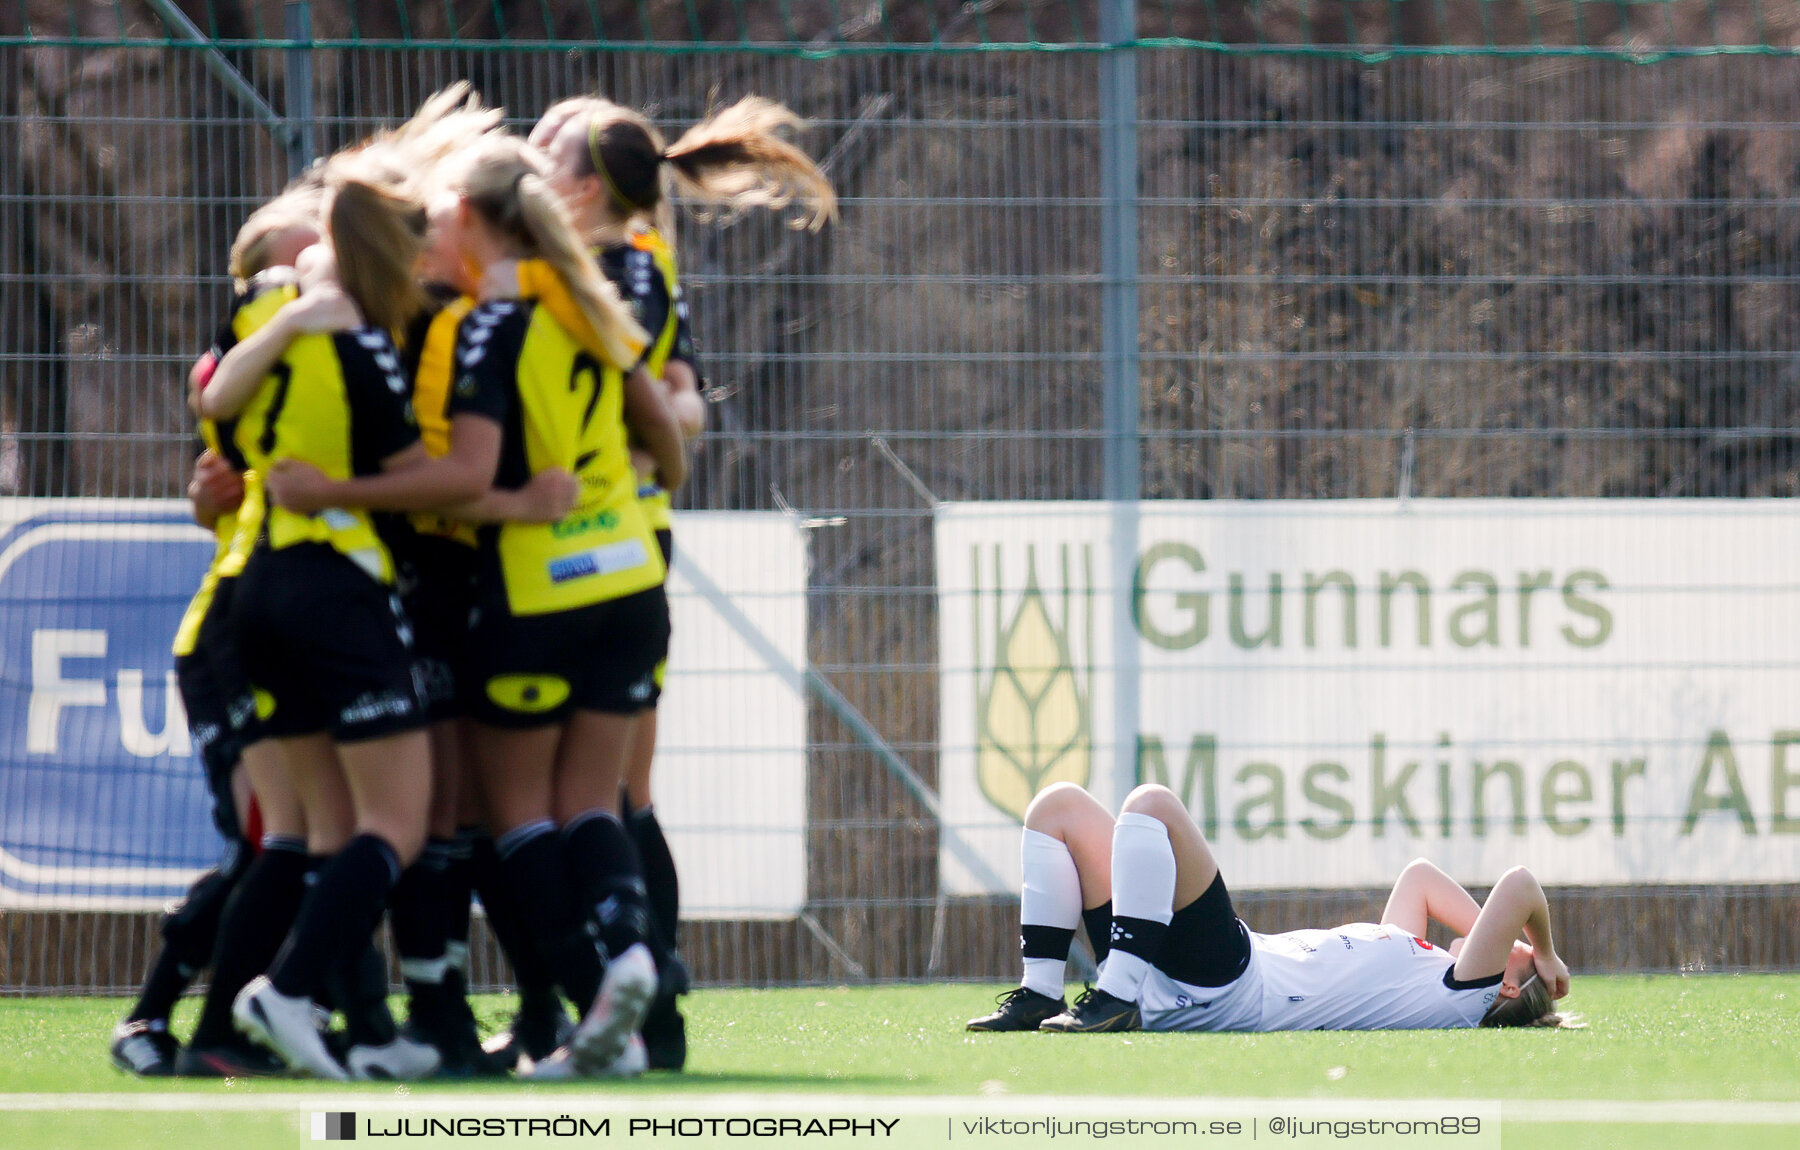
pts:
[299, 88]
[1119, 338]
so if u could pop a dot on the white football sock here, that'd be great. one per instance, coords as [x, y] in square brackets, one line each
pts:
[1143, 887]
[1051, 896]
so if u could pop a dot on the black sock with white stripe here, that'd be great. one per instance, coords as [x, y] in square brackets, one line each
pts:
[421, 914]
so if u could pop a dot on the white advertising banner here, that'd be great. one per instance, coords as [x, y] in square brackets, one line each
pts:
[103, 804]
[1607, 691]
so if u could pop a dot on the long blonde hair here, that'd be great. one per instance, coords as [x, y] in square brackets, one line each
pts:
[377, 233]
[502, 179]
[449, 121]
[735, 159]
[1532, 1007]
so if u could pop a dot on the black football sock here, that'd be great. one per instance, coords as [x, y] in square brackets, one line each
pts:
[661, 885]
[458, 903]
[532, 972]
[255, 920]
[339, 916]
[535, 881]
[359, 992]
[608, 884]
[420, 914]
[1098, 921]
[162, 989]
[190, 932]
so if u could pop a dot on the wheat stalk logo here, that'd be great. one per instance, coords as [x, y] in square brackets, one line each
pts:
[1032, 724]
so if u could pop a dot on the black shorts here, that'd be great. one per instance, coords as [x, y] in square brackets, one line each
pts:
[1206, 944]
[326, 646]
[665, 539]
[221, 711]
[437, 582]
[209, 728]
[531, 670]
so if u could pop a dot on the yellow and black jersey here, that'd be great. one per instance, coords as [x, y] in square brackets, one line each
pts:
[643, 269]
[429, 357]
[557, 406]
[249, 311]
[339, 401]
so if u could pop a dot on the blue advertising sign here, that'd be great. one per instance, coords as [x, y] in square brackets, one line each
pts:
[103, 804]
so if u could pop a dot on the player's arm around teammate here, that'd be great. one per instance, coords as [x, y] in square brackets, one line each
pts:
[551, 719]
[212, 692]
[612, 170]
[323, 637]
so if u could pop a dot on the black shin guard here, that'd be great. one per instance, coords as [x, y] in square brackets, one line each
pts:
[458, 903]
[190, 932]
[421, 914]
[532, 972]
[163, 987]
[359, 992]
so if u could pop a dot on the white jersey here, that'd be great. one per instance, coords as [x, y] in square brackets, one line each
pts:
[1355, 977]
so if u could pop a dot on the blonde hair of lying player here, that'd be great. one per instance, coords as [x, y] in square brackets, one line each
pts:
[1180, 959]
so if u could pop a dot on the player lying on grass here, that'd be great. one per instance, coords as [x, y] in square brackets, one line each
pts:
[1179, 958]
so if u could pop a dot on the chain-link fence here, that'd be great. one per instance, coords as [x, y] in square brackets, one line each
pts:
[1459, 250]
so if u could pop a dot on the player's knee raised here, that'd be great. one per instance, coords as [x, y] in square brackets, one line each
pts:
[1152, 799]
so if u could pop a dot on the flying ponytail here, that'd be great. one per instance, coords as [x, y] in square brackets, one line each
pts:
[734, 159]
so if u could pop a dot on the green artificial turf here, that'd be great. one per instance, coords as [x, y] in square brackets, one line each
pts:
[1718, 1038]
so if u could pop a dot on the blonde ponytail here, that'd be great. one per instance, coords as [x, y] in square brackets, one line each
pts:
[501, 179]
[377, 234]
[735, 159]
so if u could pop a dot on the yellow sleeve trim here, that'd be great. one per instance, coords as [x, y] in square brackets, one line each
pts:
[539, 281]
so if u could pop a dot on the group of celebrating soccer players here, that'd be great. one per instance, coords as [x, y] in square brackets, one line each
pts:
[442, 426]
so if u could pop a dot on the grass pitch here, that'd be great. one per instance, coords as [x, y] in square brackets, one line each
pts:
[1727, 1048]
